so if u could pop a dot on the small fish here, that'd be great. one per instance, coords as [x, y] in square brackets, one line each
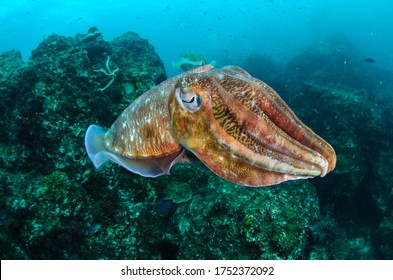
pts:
[369, 59]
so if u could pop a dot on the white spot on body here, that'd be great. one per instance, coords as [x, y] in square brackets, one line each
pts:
[220, 76]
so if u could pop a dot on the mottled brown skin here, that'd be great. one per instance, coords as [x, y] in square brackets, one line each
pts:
[140, 139]
[142, 130]
[244, 132]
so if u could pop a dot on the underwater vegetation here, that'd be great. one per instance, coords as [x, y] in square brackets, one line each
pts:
[55, 205]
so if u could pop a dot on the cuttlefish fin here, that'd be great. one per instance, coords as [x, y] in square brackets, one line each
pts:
[147, 167]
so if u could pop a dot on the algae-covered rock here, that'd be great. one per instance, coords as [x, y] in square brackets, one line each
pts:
[327, 113]
[356, 125]
[178, 192]
[232, 222]
[262, 67]
[12, 87]
[332, 61]
[56, 202]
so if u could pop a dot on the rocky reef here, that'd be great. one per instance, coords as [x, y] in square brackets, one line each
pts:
[346, 100]
[55, 205]
[47, 103]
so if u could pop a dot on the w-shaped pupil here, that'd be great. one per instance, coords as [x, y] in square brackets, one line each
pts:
[189, 101]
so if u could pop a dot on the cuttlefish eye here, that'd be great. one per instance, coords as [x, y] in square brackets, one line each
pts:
[190, 101]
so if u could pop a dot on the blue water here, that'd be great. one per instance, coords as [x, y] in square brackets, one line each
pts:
[221, 30]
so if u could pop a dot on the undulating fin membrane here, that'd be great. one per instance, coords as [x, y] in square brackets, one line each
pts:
[148, 167]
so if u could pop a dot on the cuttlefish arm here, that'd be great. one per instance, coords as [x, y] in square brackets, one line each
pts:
[140, 139]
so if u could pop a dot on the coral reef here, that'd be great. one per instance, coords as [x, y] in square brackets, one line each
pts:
[346, 101]
[50, 189]
[333, 61]
[178, 192]
[334, 91]
[246, 223]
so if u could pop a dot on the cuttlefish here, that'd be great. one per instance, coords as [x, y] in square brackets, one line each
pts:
[237, 125]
